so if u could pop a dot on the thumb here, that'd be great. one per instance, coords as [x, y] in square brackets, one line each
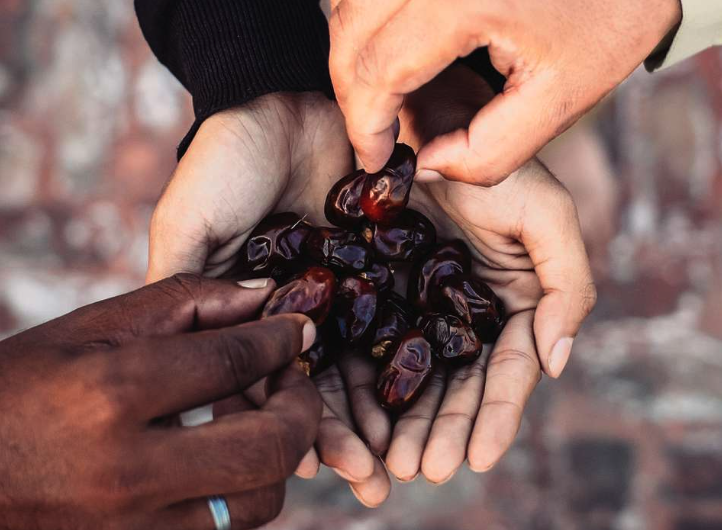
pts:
[503, 135]
[553, 239]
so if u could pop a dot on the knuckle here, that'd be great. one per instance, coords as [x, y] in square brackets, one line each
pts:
[513, 358]
[280, 332]
[187, 283]
[182, 288]
[367, 68]
[236, 354]
[329, 382]
[473, 371]
[271, 504]
[340, 26]
[288, 447]
[106, 398]
[589, 298]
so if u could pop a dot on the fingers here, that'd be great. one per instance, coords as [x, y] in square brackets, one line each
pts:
[446, 449]
[309, 466]
[374, 424]
[351, 24]
[375, 490]
[490, 149]
[157, 377]
[238, 452]
[250, 509]
[412, 430]
[512, 374]
[184, 302]
[338, 446]
[553, 238]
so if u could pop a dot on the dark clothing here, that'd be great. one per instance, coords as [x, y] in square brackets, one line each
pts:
[228, 52]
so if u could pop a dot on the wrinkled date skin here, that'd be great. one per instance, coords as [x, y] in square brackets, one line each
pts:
[324, 351]
[394, 319]
[411, 235]
[312, 294]
[343, 207]
[338, 248]
[355, 308]
[452, 340]
[405, 378]
[447, 259]
[274, 247]
[473, 301]
[382, 276]
[386, 193]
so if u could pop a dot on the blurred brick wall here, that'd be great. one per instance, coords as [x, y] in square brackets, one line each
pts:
[629, 439]
[88, 126]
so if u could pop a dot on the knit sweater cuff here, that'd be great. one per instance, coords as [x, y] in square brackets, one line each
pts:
[229, 52]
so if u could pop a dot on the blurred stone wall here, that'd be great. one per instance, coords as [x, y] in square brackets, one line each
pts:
[628, 439]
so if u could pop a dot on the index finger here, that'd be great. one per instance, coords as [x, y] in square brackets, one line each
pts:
[167, 376]
[413, 45]
[180, 303]
[239, 452]
[553, 237]
[352, 24]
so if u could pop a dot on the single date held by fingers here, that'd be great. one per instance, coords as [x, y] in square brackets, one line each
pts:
[341, 277]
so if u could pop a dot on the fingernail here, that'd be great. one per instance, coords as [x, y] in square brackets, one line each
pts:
[404, 480]
[559, 356]
[309, 335]
[197, 416]
[428, 176]
[256, 283]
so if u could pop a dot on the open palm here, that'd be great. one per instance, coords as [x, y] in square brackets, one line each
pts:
[526, 243]
[283, 153]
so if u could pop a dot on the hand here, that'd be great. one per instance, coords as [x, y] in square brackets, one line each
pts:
[560, 58]
[526, 242]
[84, 403]
[281, 152]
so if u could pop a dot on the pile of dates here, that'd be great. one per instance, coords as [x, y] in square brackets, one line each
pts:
[342, 278]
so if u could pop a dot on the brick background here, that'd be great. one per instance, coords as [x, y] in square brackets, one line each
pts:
[628, 439]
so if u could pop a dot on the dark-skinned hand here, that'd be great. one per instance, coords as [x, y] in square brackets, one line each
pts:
[87, 406]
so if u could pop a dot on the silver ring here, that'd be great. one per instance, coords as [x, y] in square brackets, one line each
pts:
[220, 513]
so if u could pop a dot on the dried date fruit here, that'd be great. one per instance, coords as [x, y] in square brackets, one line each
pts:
[394, 318]
[382, 276]
[452, 340]
[324, 351]
[445, 260]
[339, 249]
[355, 308]
[274, 247]
[386, 193]
[343, 206]
[404, 379]
[473, 301]
[411, 235]
[311, 293]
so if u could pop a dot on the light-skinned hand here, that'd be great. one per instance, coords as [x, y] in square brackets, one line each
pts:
[560, 57]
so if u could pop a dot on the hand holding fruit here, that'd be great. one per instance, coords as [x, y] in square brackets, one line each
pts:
[280, 152]
[560, 57]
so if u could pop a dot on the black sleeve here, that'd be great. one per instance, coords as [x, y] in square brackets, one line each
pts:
[228, 52]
